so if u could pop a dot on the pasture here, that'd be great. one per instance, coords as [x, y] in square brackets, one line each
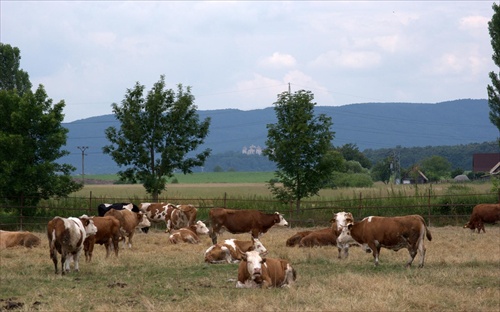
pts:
[461, 273]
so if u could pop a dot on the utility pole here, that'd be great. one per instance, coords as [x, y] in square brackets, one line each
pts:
[83, 149]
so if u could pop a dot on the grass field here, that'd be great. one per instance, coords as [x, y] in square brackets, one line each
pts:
[462, 273]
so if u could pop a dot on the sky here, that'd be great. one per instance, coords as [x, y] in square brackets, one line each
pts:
[242, 54]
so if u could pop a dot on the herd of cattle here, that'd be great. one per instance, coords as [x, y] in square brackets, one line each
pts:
[71, 236]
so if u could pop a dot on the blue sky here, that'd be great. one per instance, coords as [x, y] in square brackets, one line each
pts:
[242, 54]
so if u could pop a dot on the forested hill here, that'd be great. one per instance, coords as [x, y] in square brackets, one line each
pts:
[371, 126]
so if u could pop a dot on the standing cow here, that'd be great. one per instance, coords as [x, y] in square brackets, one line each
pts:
[242, 221]
[392, 233]
[128, 222]
[103, 208]
[108, 234]
[66, 236]
[481, 214]
[175, 217]
[255, 271]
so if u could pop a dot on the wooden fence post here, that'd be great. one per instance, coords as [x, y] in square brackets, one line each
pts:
[429, 207]
[360, 205]
[90, 203]
[225, 198]
[21, 213]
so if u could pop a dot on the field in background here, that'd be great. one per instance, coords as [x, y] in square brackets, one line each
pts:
[461, 273]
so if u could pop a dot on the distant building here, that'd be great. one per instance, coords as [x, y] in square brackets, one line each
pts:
[484, 162]
[252, 150]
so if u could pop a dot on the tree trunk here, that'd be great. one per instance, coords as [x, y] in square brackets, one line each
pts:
[297, 205]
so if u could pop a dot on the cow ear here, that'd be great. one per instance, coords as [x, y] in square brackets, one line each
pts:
[349, 226]
[244, 256]
[263, 260]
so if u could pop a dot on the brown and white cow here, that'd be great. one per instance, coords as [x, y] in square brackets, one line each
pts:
[324, 237]
[255, 271]
[481, 214]
[66, 236]
[242, 221]
[231, 250]
[339, 221]
[18, 238]
[189, 234]
[128, 222]
[392, 233]
[108, 234]
[175, 217]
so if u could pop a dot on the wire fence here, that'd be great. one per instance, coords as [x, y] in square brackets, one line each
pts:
[437, 210]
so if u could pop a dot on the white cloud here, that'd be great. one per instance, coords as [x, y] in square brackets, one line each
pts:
[348, 59]
[473, 22]
[279, 60]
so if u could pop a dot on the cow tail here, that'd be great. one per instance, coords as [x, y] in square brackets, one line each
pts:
[428, 233]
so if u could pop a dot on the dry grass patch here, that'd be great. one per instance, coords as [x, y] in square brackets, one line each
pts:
[462, 272]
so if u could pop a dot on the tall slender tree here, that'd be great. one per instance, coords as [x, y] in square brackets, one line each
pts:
[300, 144]
[494, 88]
[157, 132]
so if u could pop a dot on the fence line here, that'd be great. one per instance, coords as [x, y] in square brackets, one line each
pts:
[436, 209]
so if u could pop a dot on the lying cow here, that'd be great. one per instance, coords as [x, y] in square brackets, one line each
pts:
[18, 238]
[103, 208]
[255, 271]
[325, 237]
[242, 221]
[232, 250]
[108, 234]
[66, 236]
[392, 233]
[175, 217]
[128, 222]
[189, 234]
[481, 214]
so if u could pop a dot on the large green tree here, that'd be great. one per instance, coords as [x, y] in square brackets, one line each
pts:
[31, 138]
[156, 134]
[300, 144]
[436, 168]
[11, 76]
[494, 88]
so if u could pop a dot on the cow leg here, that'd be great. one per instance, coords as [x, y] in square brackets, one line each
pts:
[76, 257]
[64, 263]
[115, 241]
[53, 256]
[413, 252]
[376, 251]
[213, 233]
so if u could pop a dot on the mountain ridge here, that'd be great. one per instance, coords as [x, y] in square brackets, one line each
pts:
[368, 125]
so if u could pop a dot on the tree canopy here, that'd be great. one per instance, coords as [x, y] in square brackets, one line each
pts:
[31, 138]
[494, 88]
[156, 134]
[300, 145]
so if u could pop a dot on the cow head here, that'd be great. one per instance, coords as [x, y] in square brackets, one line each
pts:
[201, 228]
[280, 220]
[345, 235]
[88, 225]
[343, 218]
[143, 220]
[254, 264]
[257, 246]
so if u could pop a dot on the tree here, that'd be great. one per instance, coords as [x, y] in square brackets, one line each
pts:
[351, 151]
[31, 137]
[11, 77]
[494, 88]
[436, 167]
[300, 145]
[156, 134]
[381, 171]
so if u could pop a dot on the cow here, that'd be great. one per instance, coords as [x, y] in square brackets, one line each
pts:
[255, 271]
[108, 234]
[66, 236]
[128, 222]
[483, 213]
[18, 238]
[189, 234]
[242, 221]
[392, 233]
[340, 219]
[324, 237]
[103, 208]
[231, 250]
[175, 217]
